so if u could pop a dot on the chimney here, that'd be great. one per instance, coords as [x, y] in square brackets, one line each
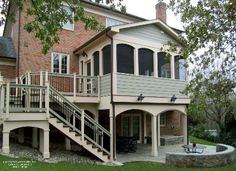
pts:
[161, 11]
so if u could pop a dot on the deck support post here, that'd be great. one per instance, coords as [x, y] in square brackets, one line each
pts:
[44, 143]
[158, 131]
[154, 136]
[184, 127]
[5, 143]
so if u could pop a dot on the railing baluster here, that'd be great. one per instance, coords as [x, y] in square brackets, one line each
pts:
[47, 100]
[74, 88]
[82, 125]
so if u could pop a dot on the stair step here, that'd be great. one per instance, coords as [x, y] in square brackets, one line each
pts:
[71, 130]
[52, 116]
[65, 126]
[59, 121]
[77, 135]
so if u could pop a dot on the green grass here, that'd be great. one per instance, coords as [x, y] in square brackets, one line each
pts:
[134, 166]
[200, 141]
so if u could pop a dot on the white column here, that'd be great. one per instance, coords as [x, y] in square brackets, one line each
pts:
[35, 138]
[21, 133]
[158, 131]
[172, 67]
[145, 127]
[114, 69]
[92, 66]
[5, 143]
[44, 143]
[111, 138]
[155, 64]
[154, 136]
[184, 123]
[100, 63]
[136, 63]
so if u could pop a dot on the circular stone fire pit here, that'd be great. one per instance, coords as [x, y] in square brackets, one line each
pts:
[223, 155]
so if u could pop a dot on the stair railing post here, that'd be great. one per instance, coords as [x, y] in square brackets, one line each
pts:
[74, 121]
[47, 100]
[28, 92]
[82, 125]
[7, 100]
[74, 86]
[2, 95]
[40, 90]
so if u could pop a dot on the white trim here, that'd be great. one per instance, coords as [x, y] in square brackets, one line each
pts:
[60, 60]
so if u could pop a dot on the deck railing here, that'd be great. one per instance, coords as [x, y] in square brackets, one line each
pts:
[67, 84]
[20, 98]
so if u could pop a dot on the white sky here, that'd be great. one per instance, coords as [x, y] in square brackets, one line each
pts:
[145, 9]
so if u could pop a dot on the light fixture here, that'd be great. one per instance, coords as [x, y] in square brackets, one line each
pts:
[173, 98]
[140, 97]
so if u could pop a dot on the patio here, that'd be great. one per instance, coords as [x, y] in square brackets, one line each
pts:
[143, 153]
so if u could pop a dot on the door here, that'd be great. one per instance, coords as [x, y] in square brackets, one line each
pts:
[131, 126]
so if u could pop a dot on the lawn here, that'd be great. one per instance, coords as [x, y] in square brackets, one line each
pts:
[134, 166]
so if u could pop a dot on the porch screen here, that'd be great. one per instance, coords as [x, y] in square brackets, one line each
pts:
[125, 59]
[145, 58]
[180, 70]
[106, 53]
[96, 63]
[163, 65]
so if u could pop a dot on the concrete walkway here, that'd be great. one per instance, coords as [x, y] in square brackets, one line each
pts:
[144, 153]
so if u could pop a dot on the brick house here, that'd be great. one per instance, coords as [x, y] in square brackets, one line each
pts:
[98, 89]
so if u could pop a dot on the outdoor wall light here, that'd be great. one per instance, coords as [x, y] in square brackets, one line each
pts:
[140, 97]
[173, 98]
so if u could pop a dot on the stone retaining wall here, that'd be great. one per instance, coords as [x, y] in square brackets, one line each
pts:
[224, 155]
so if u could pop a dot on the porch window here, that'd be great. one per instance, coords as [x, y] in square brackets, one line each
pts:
[106, 53]
[163, 65]
[68, 25]
[60, 63]
[125, 59]
[145, 57]
[163, 119]
[180, 70]
[96, 63]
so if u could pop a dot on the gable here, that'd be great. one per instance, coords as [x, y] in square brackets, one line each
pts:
[149, 32]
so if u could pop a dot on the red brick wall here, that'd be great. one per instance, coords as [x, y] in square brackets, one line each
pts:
[173, 124]
[31, 58]
[7, 71]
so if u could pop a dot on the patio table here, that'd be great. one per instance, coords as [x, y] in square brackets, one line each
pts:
[192, 149]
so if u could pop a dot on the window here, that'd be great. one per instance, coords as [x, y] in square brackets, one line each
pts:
[68, 25]
[89, 69]
[113, 22]
[96, 63]
[145, 58]
[125, 59]
[163, 119]
[60, 63]
[163, 65]
[106, 53]
[180, 70]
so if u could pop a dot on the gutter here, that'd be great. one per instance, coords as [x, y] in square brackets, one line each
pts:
[18, 42]
[112, 99]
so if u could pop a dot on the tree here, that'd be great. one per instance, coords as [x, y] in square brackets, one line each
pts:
[210, 47]
[46, 18]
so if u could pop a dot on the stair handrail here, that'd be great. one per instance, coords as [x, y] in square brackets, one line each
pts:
[79, 110]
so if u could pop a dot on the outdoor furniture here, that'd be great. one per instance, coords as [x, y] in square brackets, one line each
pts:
[193, 149]
[126, 144]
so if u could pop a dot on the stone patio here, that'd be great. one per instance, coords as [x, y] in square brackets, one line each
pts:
[143, 153]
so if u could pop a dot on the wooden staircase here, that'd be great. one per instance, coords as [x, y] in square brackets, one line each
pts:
[76, 137]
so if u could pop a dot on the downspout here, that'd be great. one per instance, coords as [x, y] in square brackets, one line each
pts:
[18, 50]
[112, 98]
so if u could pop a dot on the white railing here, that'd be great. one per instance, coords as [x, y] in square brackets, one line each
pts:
[67, 84]
[18, 98]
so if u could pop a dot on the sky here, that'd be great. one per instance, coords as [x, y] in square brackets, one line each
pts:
[145, 9]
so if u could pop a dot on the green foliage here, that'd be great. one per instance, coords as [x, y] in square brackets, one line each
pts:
[46, 18]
